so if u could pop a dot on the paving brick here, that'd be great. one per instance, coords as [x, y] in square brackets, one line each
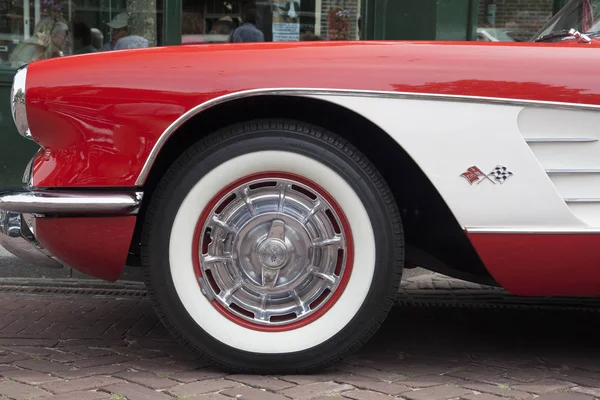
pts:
[86, 372]
[481, 396]
[417, 370]
[28, 342]
[90, 383]
[531, 374]
[104, 360]
[428, 381]
[29, 377]
[365, 382]
[18, 390]
[83, 395]
[316, 389]
[307, 379]
[484, 374]
[366, 395]
[582, 377]
[197, 375]
[42, 365]
[500, 390]
[152, 365]
[145, 353]
[12, 357]
[371, 372]
[443, 392]
[565, 396]
[4, 368]
[212, 396]
[146, 379]
[247, 393]
[201, 387]
[265, 382]
[86, 351]
[544, 386]
[585, 390]
[134, 391]
[37, 351]
[64, 357]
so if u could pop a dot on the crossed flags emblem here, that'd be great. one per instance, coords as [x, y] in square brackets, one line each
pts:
[499, 174]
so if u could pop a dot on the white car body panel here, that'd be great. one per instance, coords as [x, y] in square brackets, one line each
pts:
[446, 137]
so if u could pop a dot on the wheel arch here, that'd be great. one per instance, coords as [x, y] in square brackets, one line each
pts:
[444, 249]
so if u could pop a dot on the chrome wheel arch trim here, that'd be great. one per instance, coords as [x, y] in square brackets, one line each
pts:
[535, 230]
[309, 92]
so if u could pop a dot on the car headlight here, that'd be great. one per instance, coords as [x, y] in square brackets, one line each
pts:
[17, 103]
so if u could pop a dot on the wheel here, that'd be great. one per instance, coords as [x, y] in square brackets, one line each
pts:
[272, 247]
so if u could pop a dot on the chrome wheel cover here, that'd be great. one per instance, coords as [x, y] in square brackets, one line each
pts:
[272, 251]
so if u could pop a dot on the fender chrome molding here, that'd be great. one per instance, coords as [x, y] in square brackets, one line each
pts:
[536, 230]
[309, 92]
[561, 140]
[46, 202]
[572, 171]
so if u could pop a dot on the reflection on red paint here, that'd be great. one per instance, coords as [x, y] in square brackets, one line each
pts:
[99, 115]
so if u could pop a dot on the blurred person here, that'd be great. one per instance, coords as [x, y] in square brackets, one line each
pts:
[224, 26]
[97, 38]
[82, 39]
[49, 39]
[118, 29]
[247, 31]
[131, 42]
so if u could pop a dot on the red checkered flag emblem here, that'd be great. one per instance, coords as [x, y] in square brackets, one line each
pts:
[473, 174]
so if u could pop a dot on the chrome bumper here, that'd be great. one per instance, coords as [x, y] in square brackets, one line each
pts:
[20, 208]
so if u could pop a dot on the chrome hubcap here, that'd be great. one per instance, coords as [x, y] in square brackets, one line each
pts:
[272, 251]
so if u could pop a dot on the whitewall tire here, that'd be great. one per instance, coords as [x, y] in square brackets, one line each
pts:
[272, 247]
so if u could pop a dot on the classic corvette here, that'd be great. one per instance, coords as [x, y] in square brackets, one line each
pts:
[274, 193]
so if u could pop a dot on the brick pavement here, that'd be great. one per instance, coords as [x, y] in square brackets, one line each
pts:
[84, 347]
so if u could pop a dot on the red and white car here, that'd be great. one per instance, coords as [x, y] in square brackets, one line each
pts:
[273, 203]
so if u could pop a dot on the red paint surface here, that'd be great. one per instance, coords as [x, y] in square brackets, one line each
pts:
[95, 246]
[345, 229]
[542, 264]
[99, 115]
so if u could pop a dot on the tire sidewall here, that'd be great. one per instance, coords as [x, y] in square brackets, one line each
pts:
[215, 150]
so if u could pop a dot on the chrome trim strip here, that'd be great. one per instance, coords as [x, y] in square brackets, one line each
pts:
[27, 179]
[570, 171]
[17, 103]
[582, 200]
[561, 140]
[304, 92]
[70, 202]
[535, 230]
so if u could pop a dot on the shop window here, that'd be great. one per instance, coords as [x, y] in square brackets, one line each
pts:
[40, 29]
[526, 20]
[512, 20]
[216, 21]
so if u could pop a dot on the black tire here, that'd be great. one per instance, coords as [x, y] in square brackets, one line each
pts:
[294, 137]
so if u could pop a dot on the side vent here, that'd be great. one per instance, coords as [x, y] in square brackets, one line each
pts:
[567, 145]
